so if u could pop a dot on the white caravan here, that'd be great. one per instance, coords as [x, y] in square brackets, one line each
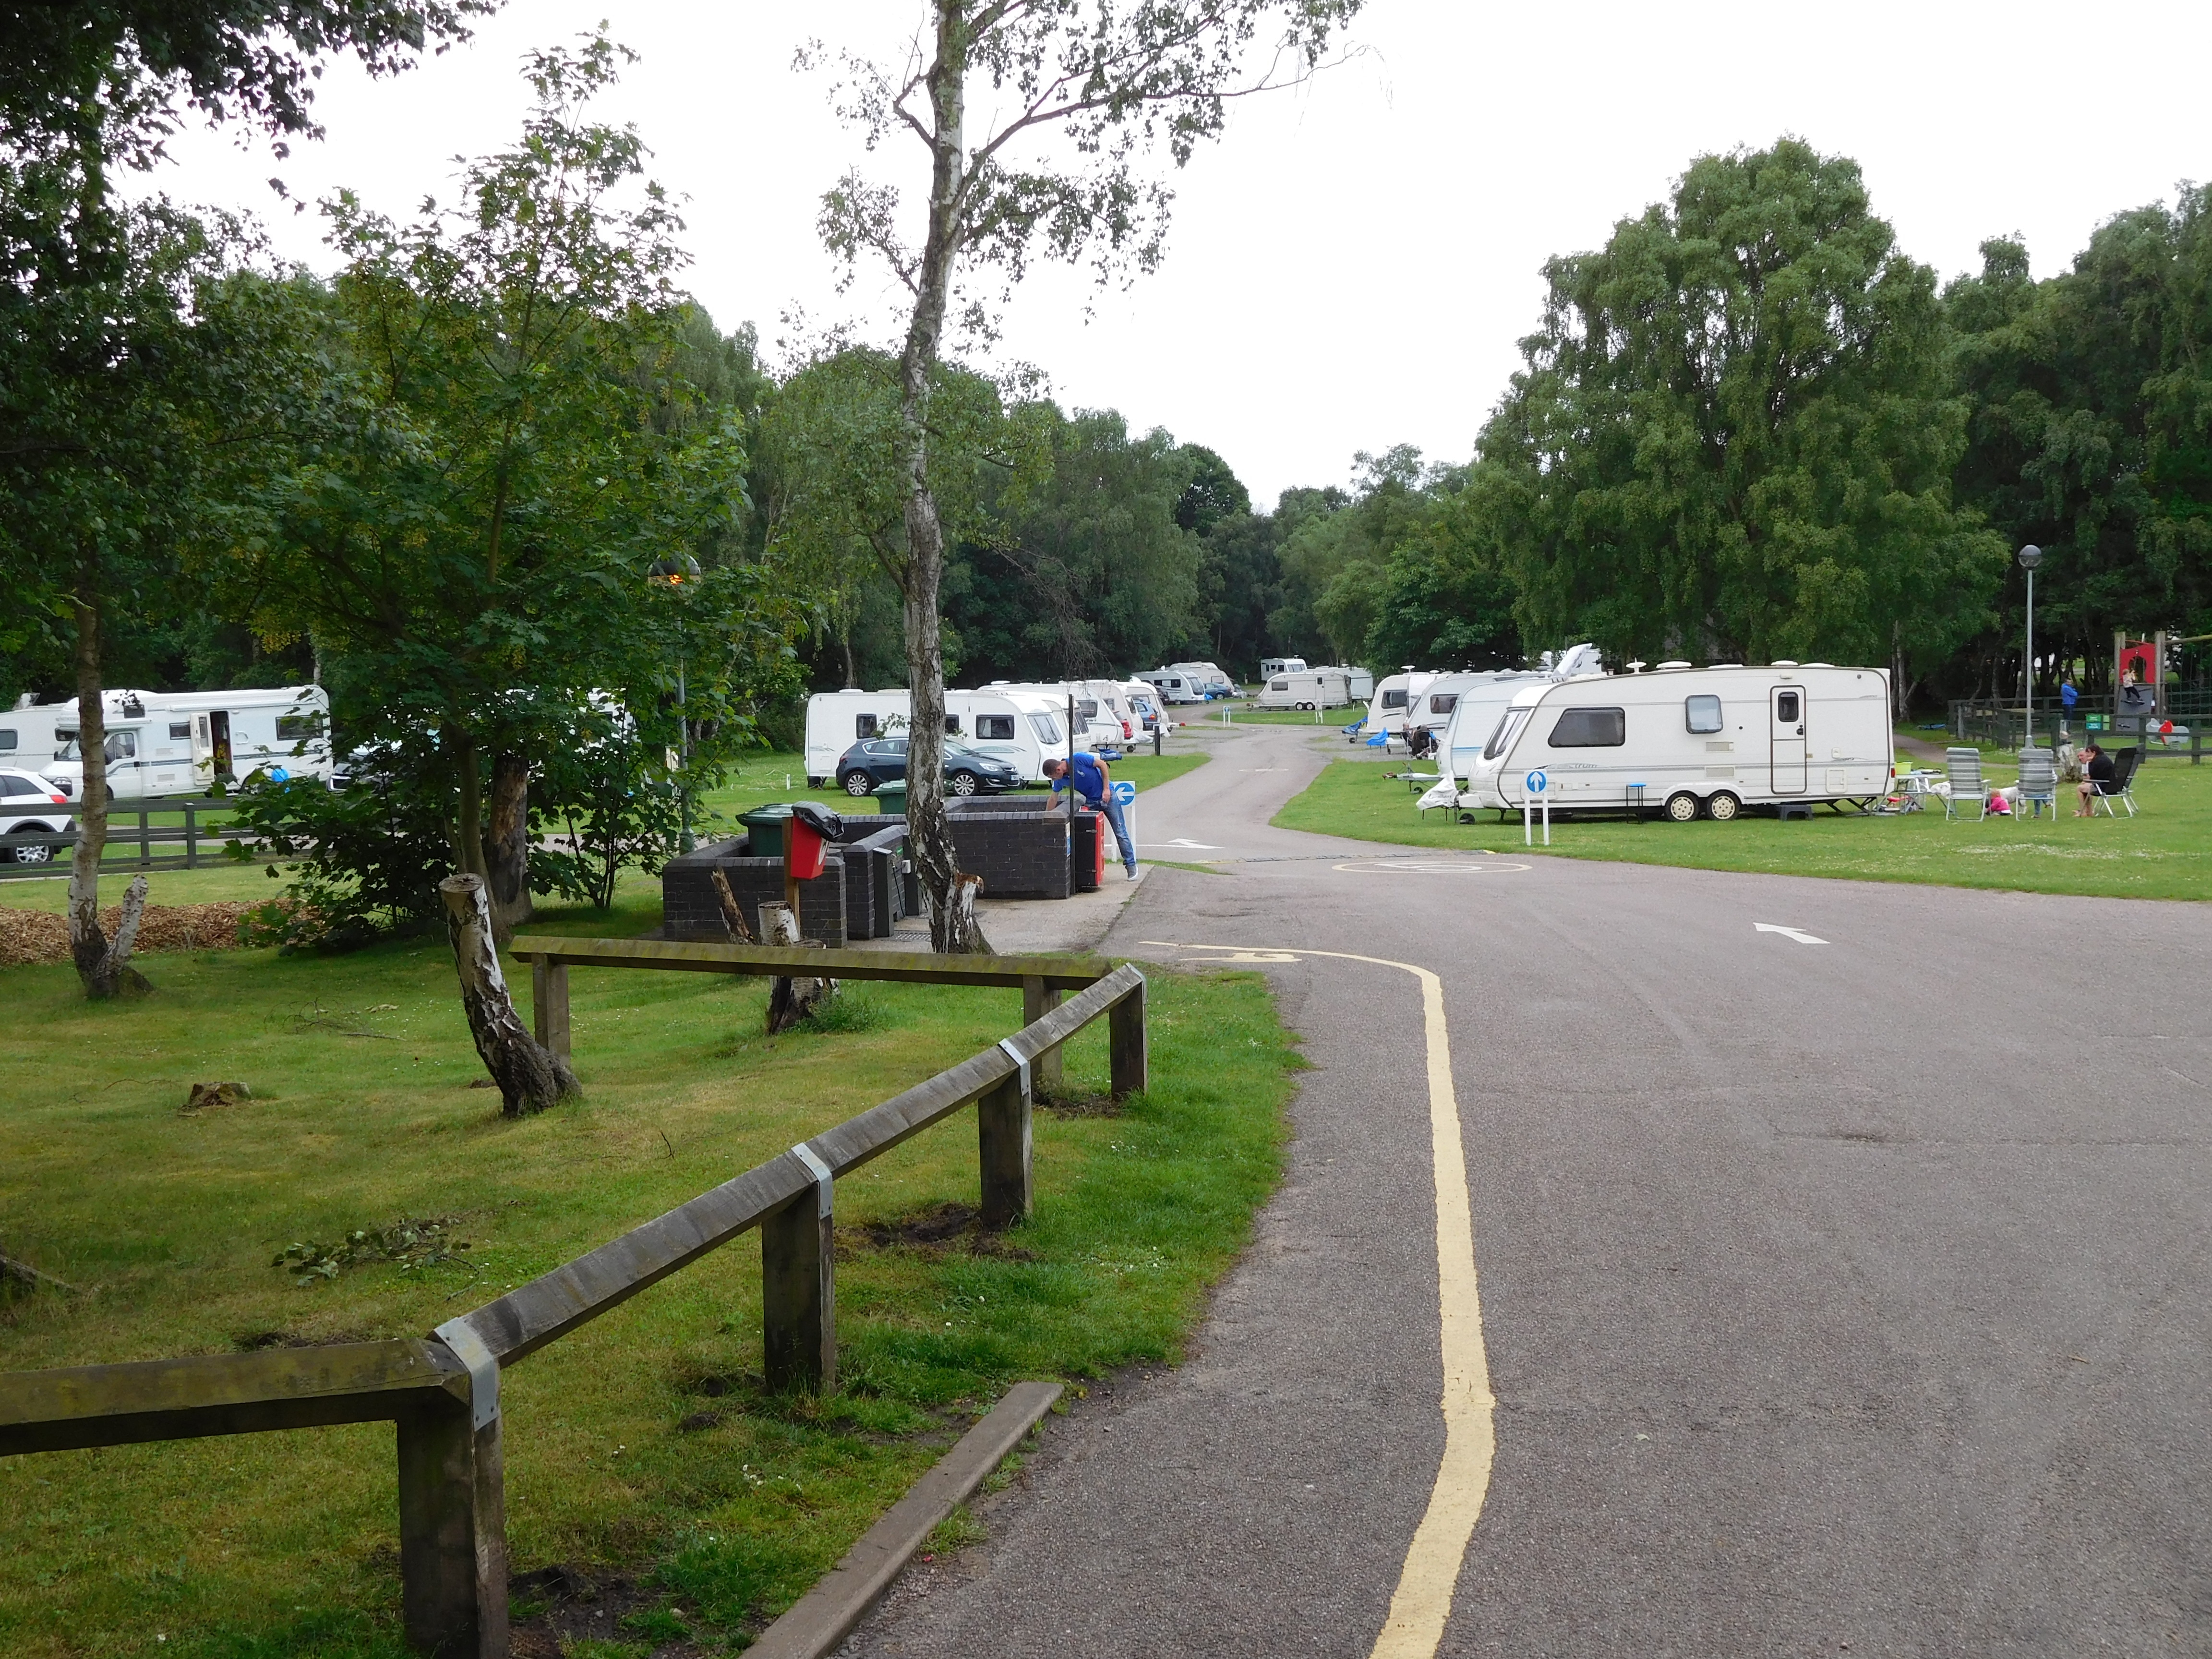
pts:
[26, 732]
[1022, 730]
[1098, 716]
[1394, 696]
[183, 742]
[1142, 699]
[1478, 707]
[1210, 680]
[1318, 688]
[1276, 667]
[1362, 684]
[1693, 740]
[1174, 685]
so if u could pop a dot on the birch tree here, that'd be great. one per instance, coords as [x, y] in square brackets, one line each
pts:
[1078, 96]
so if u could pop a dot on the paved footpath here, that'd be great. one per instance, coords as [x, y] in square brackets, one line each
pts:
[1839, 1297]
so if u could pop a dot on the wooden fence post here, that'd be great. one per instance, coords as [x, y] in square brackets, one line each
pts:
[1002, 1133]
[452, 1532]
[798, 1292]
[1126, 1037]
[191, 836]
[1036, 1003]
[548, 1003]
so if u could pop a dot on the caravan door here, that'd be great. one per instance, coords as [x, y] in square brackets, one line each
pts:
[1786, 730]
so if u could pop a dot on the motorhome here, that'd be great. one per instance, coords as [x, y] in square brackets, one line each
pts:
[1318, 687]
[1275, 667]
[1692, 741]
[182, 743]
[1174, 685]
[26, 732]
[1022, 729]
[1395, 695]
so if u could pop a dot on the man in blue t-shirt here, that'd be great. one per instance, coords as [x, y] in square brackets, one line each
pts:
[1088, 777]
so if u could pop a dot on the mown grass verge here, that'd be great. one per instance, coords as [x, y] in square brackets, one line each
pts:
[2164, 852]
[640, 1446]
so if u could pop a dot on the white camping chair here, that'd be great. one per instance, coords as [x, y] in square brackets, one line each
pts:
[2038, 780]
[1964, 767]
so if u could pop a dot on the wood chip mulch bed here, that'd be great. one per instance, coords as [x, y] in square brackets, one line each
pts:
[28, 936]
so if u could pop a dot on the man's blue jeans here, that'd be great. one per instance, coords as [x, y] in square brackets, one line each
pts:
[1112, 811]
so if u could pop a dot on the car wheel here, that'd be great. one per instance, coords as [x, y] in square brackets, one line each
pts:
[32, 855]
[858, 783]
[1722, 807]
[1681, 806]
[964, 784]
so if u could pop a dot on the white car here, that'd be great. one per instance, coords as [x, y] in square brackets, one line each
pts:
[24, 797]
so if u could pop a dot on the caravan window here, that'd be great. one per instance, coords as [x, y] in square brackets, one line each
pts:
[995, 728]
[1088, 708]
[1502, 739]
[290, 728]
[1395, 699]
[1786, 707]
[1046, 727]
[952, 725]
[864, 725]
[1443, 704]
[1590, 728]
[1703, 713]
[1278, 685]
[8, 739]
[180, 731]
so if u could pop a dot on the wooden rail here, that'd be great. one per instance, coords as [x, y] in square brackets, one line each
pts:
[443, 1391]
[192, 835]
[1041, 980]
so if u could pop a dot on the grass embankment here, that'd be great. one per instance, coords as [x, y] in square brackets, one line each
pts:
[642, 1442]
[2163, 852]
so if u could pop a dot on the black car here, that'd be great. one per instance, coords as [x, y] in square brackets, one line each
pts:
[874, 762]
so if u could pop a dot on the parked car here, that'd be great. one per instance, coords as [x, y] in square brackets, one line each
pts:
[22, 795]
[873, 762]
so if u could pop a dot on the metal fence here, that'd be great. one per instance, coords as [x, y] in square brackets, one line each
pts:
[2003, 726]
[442, 1390]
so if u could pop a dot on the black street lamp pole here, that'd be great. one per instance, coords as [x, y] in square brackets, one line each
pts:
[680, 572]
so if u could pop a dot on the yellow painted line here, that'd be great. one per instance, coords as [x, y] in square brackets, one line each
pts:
[1423, 1597]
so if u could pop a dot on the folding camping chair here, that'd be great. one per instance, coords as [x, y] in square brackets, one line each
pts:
[1964, 767]
[2122, 788]
[2038, 780]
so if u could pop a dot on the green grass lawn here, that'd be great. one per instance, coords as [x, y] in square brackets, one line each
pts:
[2163, 852]
[642, 1443]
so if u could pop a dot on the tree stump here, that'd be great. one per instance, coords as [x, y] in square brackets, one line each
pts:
[963, 931]
[529, 1077]
[790, 1001]
[114, 976]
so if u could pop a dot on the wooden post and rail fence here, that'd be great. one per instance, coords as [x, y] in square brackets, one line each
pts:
[442, 1390]
[202, 843]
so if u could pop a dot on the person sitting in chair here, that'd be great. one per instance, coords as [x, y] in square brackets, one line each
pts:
[2096, 772]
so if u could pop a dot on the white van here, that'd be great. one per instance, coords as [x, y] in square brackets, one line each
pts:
[1275, 667]
[183, 742]
[1693, 740]
[1023, 731]
[26, 732]
[1318, 688]
[1174, 686]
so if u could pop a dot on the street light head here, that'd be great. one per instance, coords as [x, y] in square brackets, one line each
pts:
[676, 570]
[2030, 556]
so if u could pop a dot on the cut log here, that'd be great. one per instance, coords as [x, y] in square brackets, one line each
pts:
[790, 1001]
[114, 976]
[530, 1077]
[733, 919]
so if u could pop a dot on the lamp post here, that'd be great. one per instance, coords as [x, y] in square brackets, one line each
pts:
[679, 571]
[2030, 556]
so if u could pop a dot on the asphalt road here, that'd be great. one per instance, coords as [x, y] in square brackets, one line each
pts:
[1842, 1297]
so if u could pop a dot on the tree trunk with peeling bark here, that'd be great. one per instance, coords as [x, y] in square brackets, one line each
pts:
[104, 970]
[531, 1078]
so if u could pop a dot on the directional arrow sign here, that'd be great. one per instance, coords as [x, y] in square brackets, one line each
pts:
[1797, 933]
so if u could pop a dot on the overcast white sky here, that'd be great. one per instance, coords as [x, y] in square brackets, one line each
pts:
[1352, 265]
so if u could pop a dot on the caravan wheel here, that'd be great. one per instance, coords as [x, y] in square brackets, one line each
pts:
[1722, 807]
[1681, 806]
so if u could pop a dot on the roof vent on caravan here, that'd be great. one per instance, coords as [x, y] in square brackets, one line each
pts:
[1666, 665]
[1725, 664]
[1782, 662]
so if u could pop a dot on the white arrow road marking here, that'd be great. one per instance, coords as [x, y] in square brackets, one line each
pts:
[1797, 933]
[1181, 840]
